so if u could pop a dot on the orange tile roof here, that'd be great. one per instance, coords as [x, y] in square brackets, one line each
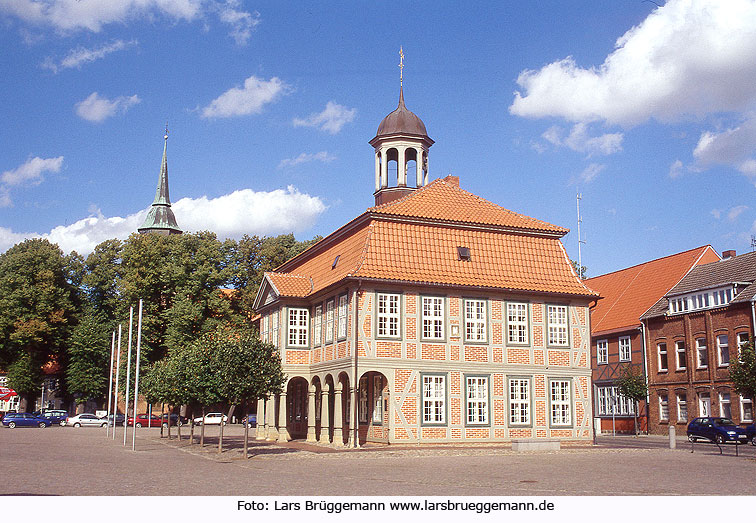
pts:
[444, 200]
[290, 284]
[629, 293]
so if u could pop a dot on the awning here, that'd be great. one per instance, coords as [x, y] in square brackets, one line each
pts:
[6, 393]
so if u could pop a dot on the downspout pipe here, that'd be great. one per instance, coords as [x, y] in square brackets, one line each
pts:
[356, 398]
[753, 317]
[644, 346]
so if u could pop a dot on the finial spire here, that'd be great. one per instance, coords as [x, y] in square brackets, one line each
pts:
[401, 67]
[165, 136]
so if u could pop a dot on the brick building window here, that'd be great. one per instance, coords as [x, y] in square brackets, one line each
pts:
[746, 409]
[298, 324]
[517, 323]
[704, 405]
[434, 399]
[388, 315]
[519, 401]
[663, 407]
[602, 352]
[264, 328]
[680, 355]
[433, 318]
[624, 348]
[723, 350]
[475, 320]
[557, 319]
[318, 326]
[610, 401]
[724, 405]
[274, 328]
[342, 323]
[329, 322]
[743, 339]
[701, 353]
[663, 364]
[682, 407]
[477, 400]
[560, 402]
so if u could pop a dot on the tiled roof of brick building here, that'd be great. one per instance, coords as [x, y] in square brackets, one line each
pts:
[628, 293]
[415, 239]
[738, 269]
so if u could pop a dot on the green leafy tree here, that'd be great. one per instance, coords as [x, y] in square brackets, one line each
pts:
[580, 270]
[37, 312]
[88, 358]
[102, 277]
[632, 385]
[743, 371]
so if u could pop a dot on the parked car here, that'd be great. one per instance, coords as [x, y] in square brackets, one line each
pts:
[175, 419]
[751, 431]
[144, 420]
[212, 418]
[717, 430]
[56, 417]
[251, 421]
[120, 419]
[25, 419]
[85, 420]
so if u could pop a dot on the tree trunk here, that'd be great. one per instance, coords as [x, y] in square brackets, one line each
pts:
[191, 427]
[246, 435]
[635, 419]
[178, 423]
[202, 429]
[220, 438]
[162, 413]
[170, 409]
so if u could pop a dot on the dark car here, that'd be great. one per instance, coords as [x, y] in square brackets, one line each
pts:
[119, 419]
[251, 421]
[56, 417]
[718, 430]
[175, 420]
[751, 431]
[24, 419]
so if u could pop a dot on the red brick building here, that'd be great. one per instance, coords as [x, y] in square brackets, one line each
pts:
[434, 316]
[692, 334]
[617, 333]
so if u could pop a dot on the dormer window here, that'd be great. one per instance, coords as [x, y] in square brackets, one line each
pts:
[700, 300]
[335, 262]
[463, 253]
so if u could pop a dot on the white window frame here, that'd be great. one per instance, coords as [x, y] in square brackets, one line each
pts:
[318, 326]
[701, 403]
[725, 405]
[298, 327]
[264, 328]
[682, 407]
[560, 393]
[476, 392]
[342, 314]
[434, 399]
[377, 399]
[329, 321]
[663, 407]
[476, 314]
[723, 348]
[602, 352]
[680, 349]
[610, 401]
[558, 325]
[432, 314]
[663, 351]
[702, 348]
[275, 328]
[743, 339]
[519, 401]
[517, 323]
[625, 352]
[388, 315]
[745, 400]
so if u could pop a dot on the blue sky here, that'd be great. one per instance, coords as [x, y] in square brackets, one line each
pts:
[647, 111]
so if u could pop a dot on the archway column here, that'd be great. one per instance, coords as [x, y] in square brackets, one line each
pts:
[377, 171]
[338, 435]
[354, 426]
[270, 418]
[401, 167]
[427, 169]
[311, 414]
[419, 168]
[325, 417]
[384, 169]
[261, 420]
[283, 432]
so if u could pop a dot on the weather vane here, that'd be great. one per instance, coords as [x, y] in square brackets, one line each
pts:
[401, 67]
[166, 131]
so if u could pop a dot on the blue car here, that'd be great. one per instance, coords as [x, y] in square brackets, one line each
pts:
[25, 419]
[56, 417]
[717, 430]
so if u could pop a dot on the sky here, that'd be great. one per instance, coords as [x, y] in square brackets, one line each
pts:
[647, 109]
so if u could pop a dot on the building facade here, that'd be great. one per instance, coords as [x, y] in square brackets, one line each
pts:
[693, 333]
[617, 340]
[435, 316]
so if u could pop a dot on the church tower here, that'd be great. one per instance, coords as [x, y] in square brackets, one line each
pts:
[401, 138]
[160, 219]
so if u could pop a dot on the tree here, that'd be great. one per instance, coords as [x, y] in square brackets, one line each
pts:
[580, 270]
[88, 358]
[632, 385]
[37, 311]
[743, 371]
[102, 277]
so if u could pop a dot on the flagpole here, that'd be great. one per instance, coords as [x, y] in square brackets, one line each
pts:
[118, 372]
[136, 381]
[110, 388]
[128, 378]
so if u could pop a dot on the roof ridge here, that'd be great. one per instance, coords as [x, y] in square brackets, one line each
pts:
[656, 260]
[365, 247]
[581, 282]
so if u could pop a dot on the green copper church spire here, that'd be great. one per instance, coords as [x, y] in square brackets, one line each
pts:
[160, 219]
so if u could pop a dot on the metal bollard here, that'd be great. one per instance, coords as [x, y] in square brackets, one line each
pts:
[672, 438]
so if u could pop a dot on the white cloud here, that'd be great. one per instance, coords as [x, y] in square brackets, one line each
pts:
[322, 156]
[30, 172]
[229, 216]
[330, 120]
[591, 172]
[81, 55]
[676, 169]
[733, 147]
[579, 140]
[736, 211]
[687, 58]
[716, 213]
[250, 99]
[97, 109]
[66, 16]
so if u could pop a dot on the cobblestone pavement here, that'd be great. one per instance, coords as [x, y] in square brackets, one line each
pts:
[68, 461]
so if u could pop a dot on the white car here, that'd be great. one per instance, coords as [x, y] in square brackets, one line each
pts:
[85, 420]
[211, 418]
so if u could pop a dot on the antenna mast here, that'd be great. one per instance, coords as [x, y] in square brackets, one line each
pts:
[580, 238]
[753, 243]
